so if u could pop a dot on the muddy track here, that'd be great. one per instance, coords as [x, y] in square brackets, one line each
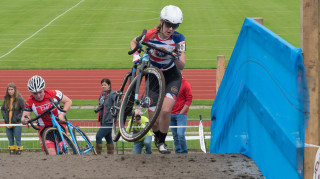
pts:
[193, 165]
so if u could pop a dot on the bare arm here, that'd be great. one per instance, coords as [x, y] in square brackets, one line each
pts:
[182, 61]
[133, 43]
[67, 104]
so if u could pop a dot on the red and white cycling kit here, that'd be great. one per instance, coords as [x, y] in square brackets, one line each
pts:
[38, 107]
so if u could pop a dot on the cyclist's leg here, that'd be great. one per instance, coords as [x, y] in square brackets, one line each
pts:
[50, 144]
[173, 82]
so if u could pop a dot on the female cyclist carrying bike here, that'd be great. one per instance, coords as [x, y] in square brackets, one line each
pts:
[38, 102]
[165, 36]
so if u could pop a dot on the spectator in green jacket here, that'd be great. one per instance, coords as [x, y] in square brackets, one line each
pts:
[140, 121]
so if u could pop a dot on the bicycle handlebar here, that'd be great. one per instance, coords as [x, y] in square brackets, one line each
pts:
[140, 41]
[54, 105]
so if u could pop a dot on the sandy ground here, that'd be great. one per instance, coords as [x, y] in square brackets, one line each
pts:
[193, 165]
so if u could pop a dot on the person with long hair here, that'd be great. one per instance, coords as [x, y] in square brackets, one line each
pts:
[106, 101]
[11, 110]
[166, 37]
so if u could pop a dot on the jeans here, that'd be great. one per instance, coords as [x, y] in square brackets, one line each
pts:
[14, 133]
[137, 146]
[104, 132]
[179, 138]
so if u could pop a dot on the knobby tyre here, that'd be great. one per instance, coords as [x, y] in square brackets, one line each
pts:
[84, 143]
[53, 135]
[148, 94]
[115, 111]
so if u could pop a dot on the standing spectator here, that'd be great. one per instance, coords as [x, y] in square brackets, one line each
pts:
[179, 117]
[11, 111]
[106, 101]
[140, 121]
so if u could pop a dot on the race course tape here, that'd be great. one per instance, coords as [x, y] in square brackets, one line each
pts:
[93, 138]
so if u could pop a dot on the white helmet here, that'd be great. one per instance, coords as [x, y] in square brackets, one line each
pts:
[172, 14]
[36, 84]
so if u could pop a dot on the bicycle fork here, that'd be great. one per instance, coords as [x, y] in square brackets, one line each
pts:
[144, 101]
[56, 125]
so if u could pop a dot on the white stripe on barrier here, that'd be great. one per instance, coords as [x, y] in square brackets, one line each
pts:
[311, 145]
[137, 127]
[93, 138]
[1, 125]
[4, 125]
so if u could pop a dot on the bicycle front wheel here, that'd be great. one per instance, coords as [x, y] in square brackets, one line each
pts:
[83, 142]
[52, 137]
[150, 97]
[117, 103]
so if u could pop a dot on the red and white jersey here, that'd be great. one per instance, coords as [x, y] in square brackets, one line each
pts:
[38, 107]
[159, 59]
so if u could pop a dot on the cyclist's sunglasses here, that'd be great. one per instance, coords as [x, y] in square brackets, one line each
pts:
[168, 24]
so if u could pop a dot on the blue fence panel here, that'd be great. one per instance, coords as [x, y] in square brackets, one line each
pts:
[262, 107]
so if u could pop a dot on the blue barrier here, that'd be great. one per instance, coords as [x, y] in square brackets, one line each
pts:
[262, 107]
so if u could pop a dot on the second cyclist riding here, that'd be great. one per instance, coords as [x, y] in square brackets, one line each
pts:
[145, 92]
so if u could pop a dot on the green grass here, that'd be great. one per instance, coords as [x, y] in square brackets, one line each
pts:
[96, 34]
[89, 114]
[195, 102]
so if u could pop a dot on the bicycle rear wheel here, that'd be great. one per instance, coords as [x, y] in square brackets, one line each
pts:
[52, 134]
[151, 94]
[83, 142]
[115, 110]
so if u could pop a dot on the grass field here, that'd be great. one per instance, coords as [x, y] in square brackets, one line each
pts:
[95, 34]
[89, 114]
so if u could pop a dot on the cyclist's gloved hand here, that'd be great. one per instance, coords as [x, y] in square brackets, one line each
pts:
[136, 58]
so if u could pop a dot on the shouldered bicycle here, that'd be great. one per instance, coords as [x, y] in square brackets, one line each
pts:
[77, 142]
[141, 91]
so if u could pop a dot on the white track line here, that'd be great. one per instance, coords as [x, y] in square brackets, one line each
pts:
[41, 29]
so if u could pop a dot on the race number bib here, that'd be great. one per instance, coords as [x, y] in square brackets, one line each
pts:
[59, 94]
[182, 46]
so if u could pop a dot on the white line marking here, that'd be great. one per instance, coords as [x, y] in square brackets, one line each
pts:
[41, 29]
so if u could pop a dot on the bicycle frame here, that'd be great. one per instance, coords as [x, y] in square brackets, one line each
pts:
[56, 125]
[69, 127]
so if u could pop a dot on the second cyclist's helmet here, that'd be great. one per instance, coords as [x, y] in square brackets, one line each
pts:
[172, 14]
[36, 84]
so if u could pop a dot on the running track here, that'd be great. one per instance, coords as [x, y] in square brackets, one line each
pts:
[85, 84]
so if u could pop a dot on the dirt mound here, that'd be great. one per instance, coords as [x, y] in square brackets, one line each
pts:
[194, 165]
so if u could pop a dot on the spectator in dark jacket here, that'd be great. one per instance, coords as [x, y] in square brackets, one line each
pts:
[106, 101]
[11, 111]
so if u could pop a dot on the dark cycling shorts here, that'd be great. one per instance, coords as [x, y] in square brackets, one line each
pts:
[173, 82]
